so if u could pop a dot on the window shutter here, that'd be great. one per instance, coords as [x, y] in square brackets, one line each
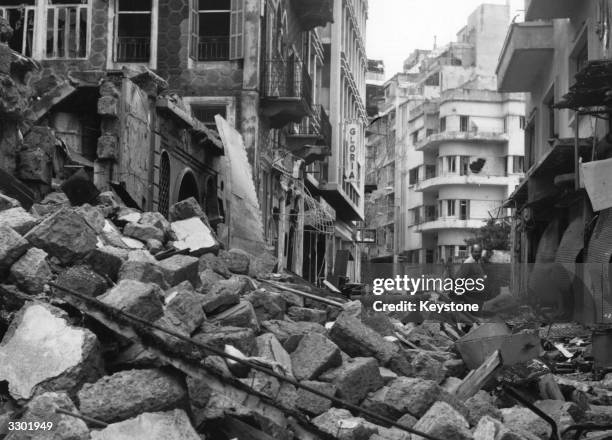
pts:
[236, 30]
[195, 30]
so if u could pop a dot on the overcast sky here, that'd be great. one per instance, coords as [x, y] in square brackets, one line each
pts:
[396, 27]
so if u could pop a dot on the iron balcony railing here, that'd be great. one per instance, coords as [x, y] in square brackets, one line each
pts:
[133, 49]
[213, 48]
[316, 124]
[287, 79]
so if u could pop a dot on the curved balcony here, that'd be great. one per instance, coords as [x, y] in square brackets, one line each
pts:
[436, 182]
[449, 223]
[433, 141]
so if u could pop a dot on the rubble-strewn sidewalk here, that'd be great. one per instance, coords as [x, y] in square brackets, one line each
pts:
[94, 373]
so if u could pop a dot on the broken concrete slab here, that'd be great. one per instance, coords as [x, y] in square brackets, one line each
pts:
[427, 367]
[268, 347]
[93, 215]
[12, 246]
[443, 421]
[186, 306]
[241, 338]
[41, 409]
[140, 299]
[492, 429]
[18, 218]
[313, 355]
[519, 418]
[207, 279]
[127, 215]
[154, 246]
[82, 279]
[143, 232]
[223, 295]
[479, 405]
[357, 340]
[107, 260]
[355, 378]
[341, 424]
[186, 209]
[194, 235]
[179, 268]
[564, 413]
[126, 394]
[306, 314]
[236, 260]
[240, 315]
[41, 351]
[143, 271]
[313, 404]
[170, 425]
[157, 220]
[31, 271]
[65, 235]
[268, 305]
[7, 202]
[210, 261]
[290, 333]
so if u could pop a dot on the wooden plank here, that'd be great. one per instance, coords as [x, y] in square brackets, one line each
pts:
[477, 378]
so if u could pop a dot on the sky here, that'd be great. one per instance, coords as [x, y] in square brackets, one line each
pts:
[396, 27]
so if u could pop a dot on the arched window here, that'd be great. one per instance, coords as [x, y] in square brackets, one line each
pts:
[189, 187]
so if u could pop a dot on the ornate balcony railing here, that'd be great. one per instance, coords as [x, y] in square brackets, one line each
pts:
[133, 49]
[213, 48]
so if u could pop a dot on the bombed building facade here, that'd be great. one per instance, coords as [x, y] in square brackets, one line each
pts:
[147, 98]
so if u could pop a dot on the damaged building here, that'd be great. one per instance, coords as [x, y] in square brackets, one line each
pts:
[561, 208]
[243, 105]
[448, 146]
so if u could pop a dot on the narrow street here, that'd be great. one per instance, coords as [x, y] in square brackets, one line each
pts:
[244, 220]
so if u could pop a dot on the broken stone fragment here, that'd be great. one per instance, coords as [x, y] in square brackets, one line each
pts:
[184, 304]
[313, 355]
[240, 315]
[519, 418]
[18, 218]
[313, 404]
[386, 375]
[171, 425]
[93, 216]
[31, 271]
[65, 235]
[136, 298]
[186, 209]
[12, 247]
[479, 405]
[143, 271]
[564, 413]
[108, 106]
[40, 351]
[7, 202]
[107, 260]
[341, 424]
[223, 295]
[290, 333]
[127, 215]
[108, 147]
[427, 367]
[218, 337]
[128, 393]
[268, 347]
[207, 279]
[443, 421]
[154, 246]
[355, 378]
[306, 314]
[179, 268]
[267, 305]
[217, 265]
[357, 340]
[489, 428]
[155, 219]
[82, 279]
[41, 410]
[143, 232]
[236, 260]
[195, 235]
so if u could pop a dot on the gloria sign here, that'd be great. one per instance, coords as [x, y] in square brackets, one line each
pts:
[352, 142]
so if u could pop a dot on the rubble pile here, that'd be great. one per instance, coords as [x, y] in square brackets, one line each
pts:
[94, 376]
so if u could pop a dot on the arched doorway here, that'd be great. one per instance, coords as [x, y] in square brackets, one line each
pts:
[189, 187]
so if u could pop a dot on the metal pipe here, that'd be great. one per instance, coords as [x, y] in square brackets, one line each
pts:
[342, 403]
[304, 294]
[82, 417]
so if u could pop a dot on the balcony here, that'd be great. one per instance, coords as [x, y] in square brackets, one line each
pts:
[286, 92]
[314, 13]
[449, 223]
[435, 182]
[311, 138]
[526, 55]
[133, 49]
[213, 48]
[548, 9]
[433, 141]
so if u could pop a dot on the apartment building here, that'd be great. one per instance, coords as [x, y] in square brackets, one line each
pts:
[458, 142]
[275, 70]
[561, 210]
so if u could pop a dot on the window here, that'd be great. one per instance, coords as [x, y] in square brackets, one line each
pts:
[451, 164]
[413, 176]
[530, 131]
[415, 137]
[464, 165]
[21, 18]
[217, 30]
[417, 216]
[551, 113]
[518, 164]
[133, 31]
[450, 208]
[206, 114]
[464, 123]
[430, 171]
[433, 80]
[505, 125]
[463, 252]
[522, 122]
[581, 58]
[442, 124]
[430, 212]
[67, 29]
[464, 209]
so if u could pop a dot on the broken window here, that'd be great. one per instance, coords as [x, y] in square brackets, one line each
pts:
[20, 15]
[206, 114]
[464, 123]
[464, 209]
[67, 29]
[217, 30]
[133, 31]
